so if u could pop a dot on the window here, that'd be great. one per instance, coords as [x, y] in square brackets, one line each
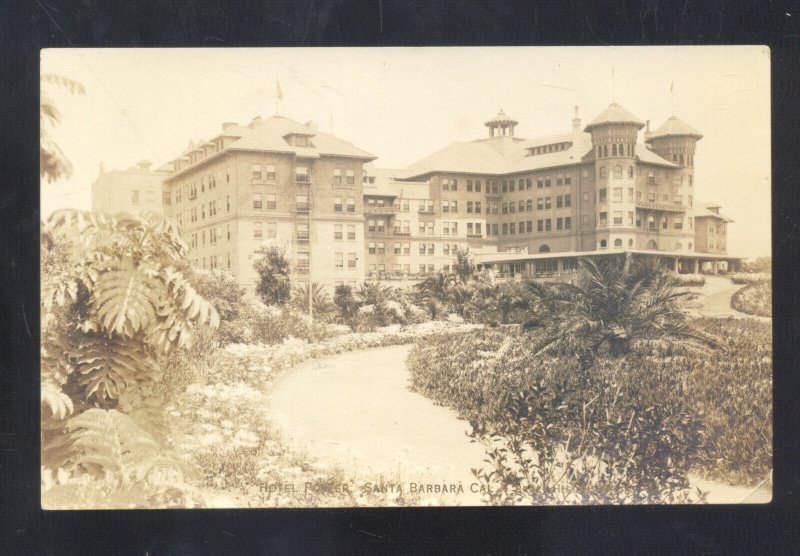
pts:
[617, 242]
[511, 186]
[630, 218]
[559, 201]
[613, 150]
[512, 228]
[529, 205]
[256, 171]
[337, 231]
[505, 229]
[423, 248]
[585, 196]
[651, 178]
[469, 206]
[560, 179]
[381, 248]
[617, 194]
[505, 208]
[617, 217]
[505, 186]
[302, 231]
[228, 230]
[337, 175]
[521, 206]
[604, 219]
[256, 200]
[337, 204]
[602, 172]
[350, 177]
[630, 171]
[477, 186]
[559, 223]
[270, 172]
[351, 231]
[529, 226]
[547, 182]
[678, 199]
[539, 183]
[678, 223]
[567, 222]
[603, 244]
[338, 259]
[548, 202]
[351, 260]
[568, 179]
[351, 204]
[512, 207]
[584, 220]
[227, 175]
[548, 225]
[166, 198]
[301, 174]
[258, 230]
[540, 225]
[371, 247]
[651, 196]
[478, 207]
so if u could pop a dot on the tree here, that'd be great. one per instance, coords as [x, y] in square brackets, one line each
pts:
[273, 268]
[346, 302]
[321, 301]
[434, 293]
[53, 164]
[617, 302]
[465, 264]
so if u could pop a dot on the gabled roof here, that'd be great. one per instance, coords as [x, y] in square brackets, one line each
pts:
[674, 127]
[615, 114]
[703, 210]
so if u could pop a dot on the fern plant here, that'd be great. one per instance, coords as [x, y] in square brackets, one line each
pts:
[106, 318]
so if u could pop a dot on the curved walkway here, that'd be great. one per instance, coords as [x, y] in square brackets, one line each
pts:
[355, 409]
[715, 299]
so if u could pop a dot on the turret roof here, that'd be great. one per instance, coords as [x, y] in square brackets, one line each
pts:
[674, 126]
[615, 114]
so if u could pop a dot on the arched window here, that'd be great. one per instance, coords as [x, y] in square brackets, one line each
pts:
[690, 246]
[599, 151]
[617, 172]
[544, 249]
[680, 159]
[613, 150]
[652, 245]
[621, 149]
[678, 246]
[674, 158]
[603, 244]
[605, 150]
[617, 243]
[630, 243]
[602, 172]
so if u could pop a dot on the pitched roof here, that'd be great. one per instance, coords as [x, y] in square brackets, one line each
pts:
[675, 127]
[508, 155]
[269, 134]
[615, 114]
[703, 210]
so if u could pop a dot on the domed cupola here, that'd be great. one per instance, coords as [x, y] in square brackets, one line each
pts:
[675, 141]
[614, 132]
[501, 125]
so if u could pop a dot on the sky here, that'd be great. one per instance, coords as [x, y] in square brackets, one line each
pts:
[402, 104]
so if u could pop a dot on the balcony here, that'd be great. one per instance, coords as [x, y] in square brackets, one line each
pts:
[302, 179]
[426, 211]
[474, 236]
[375, 209]
[402, 234]
[302, 237]
[302, 208]
[666, 207]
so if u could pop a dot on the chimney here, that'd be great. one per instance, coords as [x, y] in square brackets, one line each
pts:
[255, 122]
[143, 165]
[226, 125]
[576, 122]
[647, 130]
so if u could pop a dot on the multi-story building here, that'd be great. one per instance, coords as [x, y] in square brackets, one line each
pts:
[272, 180]
[134, 190]
[534, 206]
[523, 206]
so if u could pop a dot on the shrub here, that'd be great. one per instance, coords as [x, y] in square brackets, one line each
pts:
[554, 434]
[688, 280]
[750, 278]
[732, 393]
[754, 299]
[263, 324]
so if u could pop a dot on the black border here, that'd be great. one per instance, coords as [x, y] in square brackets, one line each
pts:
[27, 27]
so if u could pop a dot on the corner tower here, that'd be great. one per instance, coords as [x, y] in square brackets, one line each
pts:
[614, 135]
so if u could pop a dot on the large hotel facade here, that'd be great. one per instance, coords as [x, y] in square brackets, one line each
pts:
[526, 207]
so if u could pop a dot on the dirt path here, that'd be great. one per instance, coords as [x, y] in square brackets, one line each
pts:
[355, 409]
[715, 299]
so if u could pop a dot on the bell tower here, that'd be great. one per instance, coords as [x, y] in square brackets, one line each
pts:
[501, 125]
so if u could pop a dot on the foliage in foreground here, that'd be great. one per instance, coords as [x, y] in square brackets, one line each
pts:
[113, 303]
[754, 299]
[746, 278]
[628, 429]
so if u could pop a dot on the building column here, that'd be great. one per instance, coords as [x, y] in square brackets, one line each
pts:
[677, 265]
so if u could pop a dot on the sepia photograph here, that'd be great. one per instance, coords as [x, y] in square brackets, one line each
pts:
[421, 276]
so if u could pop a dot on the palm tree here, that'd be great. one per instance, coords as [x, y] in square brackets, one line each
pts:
[320, 299]
[617, 303]
[373, 293]
[434, 293]
[53, 164]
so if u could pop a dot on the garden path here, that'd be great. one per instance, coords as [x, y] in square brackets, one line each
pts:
[355, 409]
[715, 299]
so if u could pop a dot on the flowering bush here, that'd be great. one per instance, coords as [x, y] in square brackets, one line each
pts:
[750, 277]
[754, 299]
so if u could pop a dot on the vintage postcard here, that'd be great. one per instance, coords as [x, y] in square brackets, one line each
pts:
[405, 277]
